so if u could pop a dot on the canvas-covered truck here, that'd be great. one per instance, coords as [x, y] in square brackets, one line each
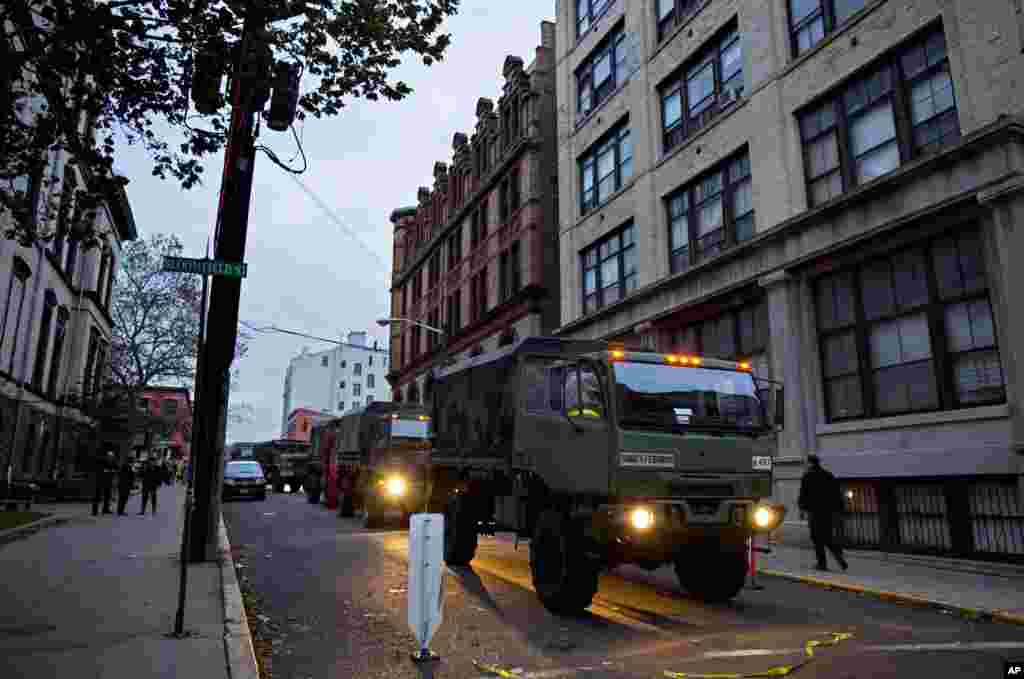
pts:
[284, 462]
[381, 449]
[602, 456]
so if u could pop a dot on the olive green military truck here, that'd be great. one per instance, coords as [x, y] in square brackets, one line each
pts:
[602, 456]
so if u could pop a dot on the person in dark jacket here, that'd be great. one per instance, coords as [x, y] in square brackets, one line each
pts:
[152, 477]
[821, 498]
[125, 481]
[106, 467]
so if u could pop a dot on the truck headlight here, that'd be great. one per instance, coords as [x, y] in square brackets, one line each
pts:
[763, 517]
[395, 486]
[641, 518]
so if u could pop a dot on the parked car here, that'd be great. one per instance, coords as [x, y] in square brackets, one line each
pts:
[244, 479]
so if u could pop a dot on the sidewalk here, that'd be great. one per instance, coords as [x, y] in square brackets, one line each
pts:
[96, 597]
[969, 587]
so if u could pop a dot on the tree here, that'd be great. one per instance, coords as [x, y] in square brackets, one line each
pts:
[156, 319]
[76, 72]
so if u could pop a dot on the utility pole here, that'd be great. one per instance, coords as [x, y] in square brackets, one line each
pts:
[229, 245]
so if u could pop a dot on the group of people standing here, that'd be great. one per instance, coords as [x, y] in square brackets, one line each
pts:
[152, 474]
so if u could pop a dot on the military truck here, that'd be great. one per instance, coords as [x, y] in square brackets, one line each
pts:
[603, 456]
[381, 449]
[283, 461]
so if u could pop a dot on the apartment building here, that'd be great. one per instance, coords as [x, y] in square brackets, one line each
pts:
[827, 188]
[477, 258]
[334, 381]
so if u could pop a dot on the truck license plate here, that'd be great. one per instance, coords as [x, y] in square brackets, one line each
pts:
[648, 460]
[762, 463]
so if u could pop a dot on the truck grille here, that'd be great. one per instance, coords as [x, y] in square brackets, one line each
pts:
[704, 490]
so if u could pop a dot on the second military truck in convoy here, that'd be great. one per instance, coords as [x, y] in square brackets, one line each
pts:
[283, 461]
[603, 456]
[379, 451]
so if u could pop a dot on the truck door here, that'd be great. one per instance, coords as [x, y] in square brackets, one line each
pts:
[567, 435]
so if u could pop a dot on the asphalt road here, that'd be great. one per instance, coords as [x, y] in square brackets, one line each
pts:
[334, 596]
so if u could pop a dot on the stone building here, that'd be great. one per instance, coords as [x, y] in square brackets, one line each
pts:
[477, 256]
[828, 188]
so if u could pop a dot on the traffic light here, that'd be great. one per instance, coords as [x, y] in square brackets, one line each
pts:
[285, 97]
[206, 79]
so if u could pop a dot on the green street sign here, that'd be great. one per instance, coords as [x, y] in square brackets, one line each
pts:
[205, 267]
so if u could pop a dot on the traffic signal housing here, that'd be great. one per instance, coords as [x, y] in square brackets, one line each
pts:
[207, 74]
[285, 97]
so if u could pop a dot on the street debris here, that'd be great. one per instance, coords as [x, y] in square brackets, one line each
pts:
[498, 671]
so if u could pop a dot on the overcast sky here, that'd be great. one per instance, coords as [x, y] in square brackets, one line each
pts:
[305, 272]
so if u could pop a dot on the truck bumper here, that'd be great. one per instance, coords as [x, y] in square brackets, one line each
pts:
[677, 527]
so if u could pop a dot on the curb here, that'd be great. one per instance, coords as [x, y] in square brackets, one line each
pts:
[898, 597]
[238, 649]
[20, 531]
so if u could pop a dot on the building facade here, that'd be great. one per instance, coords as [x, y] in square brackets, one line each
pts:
[828, 188]
[55, 332]
[337, 380]
[477, 257]
[173, 405]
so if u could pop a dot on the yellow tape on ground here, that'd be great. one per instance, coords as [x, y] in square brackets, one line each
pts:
[836, 638]
[779, 671]
[496, 671]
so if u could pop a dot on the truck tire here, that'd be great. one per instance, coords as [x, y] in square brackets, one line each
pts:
[712, 577]
[460, 536]
[279, 487]
[564, 578]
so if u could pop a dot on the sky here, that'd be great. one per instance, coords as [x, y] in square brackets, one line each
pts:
[306, 272]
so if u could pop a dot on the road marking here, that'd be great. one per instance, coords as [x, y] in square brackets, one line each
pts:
[875, 648]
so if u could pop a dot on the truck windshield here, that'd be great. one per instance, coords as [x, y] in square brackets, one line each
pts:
[411, 429]
[679, 398]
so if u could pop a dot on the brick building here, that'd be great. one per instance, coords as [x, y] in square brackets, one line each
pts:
[477, 256]
[301, 422]
[829, 189]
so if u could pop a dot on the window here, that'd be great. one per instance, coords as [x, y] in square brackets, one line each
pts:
[513, 191]
[475, 230]
[323, 361]
[144, 405]
[341, 385]
[433, 320]
[601, 73]
[711, 214]
[369, 399]
[587, 12]
[671, 13]
[908, 332]
[168, 407]
[357, 368]
[11, 327]
[605, 168]
[434, 269]
[58, 348]
[369, 359]
[91, 362]
[355, 405]
[704, 87]
[902, 109]
[503, 207]
[344, 364]
[609, 269]
[43, 343]
[811, 20]
[515, 268]
[478, 295]
[504, 291]
[357, 389]
[341, 405]
[455, 311]
[455, 247]
[370, 381]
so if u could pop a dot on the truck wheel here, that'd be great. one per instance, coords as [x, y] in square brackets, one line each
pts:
[460, 537]
[714, 578]
[279, 487]
[564, 578]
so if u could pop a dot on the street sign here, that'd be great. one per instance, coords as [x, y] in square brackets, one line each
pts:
[426, 579]
[205, 267]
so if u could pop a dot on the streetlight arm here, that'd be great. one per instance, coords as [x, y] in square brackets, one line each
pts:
[390, 321]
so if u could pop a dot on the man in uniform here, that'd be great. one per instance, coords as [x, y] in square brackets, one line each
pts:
[125, 481]
[152, 477]
[106, 467]
[821, 498]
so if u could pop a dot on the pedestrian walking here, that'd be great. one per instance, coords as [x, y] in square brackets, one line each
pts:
[822, 499]
[125, 481]
[106, 467]
[152, 477]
